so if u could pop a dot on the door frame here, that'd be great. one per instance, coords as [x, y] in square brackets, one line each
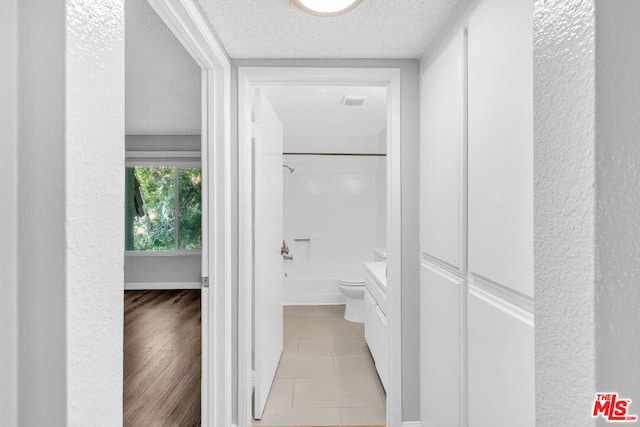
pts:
[251, 77]
[188, 23]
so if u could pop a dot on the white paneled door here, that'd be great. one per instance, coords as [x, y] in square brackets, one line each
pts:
[268, 268]
[476, 191]
[443, 237]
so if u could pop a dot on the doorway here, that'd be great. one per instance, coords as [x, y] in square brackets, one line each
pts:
[162, 361]
[251, 78]
[186, 21]
[331, 170]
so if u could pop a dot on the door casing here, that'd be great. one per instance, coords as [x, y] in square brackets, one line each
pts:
[188, 23]
[248, 79]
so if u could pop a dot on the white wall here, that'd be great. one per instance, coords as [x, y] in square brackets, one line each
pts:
[162, 271]
[163, 142]
[381, 198]
[162, 79]
[8, 214]
[410, 164]
[477, 219]
[565, 201]
[360, 144]
[42, 340]
[410, 253]
[618, 205]
[70, 165]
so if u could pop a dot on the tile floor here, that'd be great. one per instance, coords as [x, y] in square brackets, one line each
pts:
[326, 376]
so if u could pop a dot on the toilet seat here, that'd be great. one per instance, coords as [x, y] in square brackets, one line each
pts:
[351, 281]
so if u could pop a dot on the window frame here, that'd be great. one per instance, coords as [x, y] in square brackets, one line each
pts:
[177, 160]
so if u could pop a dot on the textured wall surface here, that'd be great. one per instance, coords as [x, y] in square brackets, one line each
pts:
[564, 204]
[94, 196]
[162, 79]
[71, 160]
[618, 204]
[8, 214]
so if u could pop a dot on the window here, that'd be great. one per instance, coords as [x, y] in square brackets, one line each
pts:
[163, 209]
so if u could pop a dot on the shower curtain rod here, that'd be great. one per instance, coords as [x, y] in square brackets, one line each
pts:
[334, 154]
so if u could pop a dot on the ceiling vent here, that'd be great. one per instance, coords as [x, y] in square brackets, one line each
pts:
[353, 100]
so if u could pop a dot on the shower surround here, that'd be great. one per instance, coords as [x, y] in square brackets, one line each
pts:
[334, 215]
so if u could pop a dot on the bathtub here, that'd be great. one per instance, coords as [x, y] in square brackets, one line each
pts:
[310, 284]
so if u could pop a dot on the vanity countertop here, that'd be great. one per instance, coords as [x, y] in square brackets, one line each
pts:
[379, 272]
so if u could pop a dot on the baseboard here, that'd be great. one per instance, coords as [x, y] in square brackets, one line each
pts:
[411, 424]
[144, 286]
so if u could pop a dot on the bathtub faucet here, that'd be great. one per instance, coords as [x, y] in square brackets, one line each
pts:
[284, 250]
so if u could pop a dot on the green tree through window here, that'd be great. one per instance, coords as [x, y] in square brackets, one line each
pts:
[190, 210]
[152, 216]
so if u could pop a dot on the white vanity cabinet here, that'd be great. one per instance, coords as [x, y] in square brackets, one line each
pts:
[376, 332]
[369, 323]
[382, 348]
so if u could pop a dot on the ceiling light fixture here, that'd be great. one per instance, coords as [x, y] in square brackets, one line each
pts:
[326, 7]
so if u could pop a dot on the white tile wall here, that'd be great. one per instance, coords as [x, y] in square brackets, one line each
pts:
[333, 200]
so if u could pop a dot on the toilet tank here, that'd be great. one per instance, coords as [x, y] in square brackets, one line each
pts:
[379, 254]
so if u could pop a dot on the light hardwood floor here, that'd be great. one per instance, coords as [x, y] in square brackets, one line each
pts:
[162, 358]
[326, 376]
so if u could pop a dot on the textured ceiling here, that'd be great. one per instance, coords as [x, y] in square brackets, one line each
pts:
[375, 29]
[311, 110]
[162, 81]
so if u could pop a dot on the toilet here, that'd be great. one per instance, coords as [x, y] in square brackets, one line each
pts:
[352, 286]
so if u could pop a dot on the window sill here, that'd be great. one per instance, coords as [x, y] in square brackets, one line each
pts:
[162, 253]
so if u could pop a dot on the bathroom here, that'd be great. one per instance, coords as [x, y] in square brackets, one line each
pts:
[334, 221]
